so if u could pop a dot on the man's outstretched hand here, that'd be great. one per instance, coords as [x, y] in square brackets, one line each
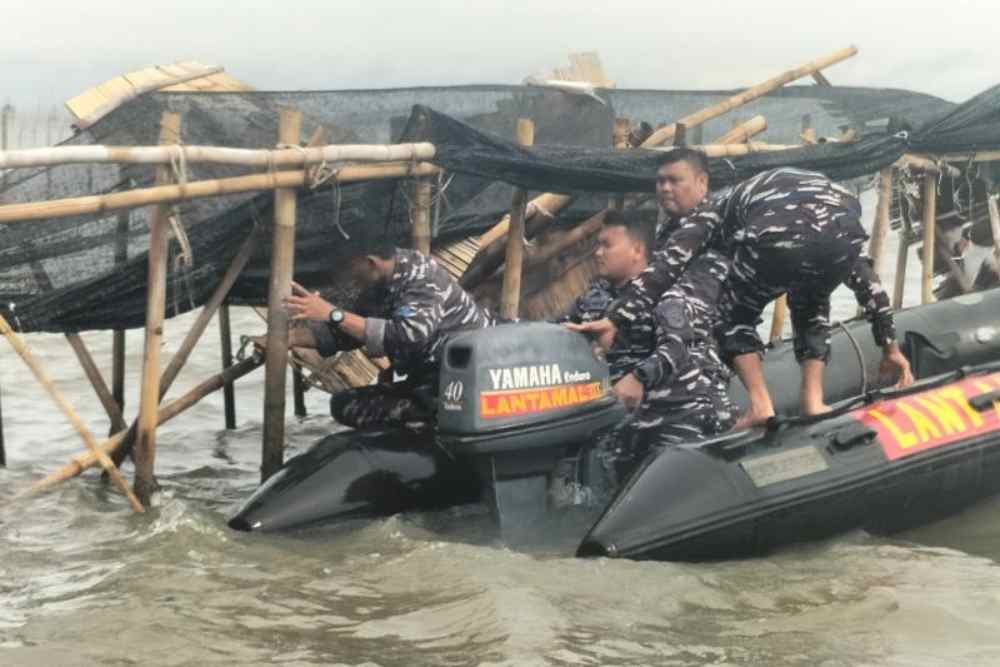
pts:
[305, 305]
[629, 391]
[602, 331]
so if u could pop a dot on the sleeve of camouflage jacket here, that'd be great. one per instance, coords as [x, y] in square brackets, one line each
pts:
[405, 334]
[671, 352]
[330, 340]
[873, 299]
[686, 242]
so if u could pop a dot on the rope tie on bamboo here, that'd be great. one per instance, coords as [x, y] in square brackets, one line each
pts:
[183, 261]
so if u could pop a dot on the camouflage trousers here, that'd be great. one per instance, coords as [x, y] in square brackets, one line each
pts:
[634, 439]
[807, 266]
[380, 405]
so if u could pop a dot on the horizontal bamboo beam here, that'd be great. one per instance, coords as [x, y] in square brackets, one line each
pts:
[664, 134]
[166, 194]
[974, 156]
[247, 157]
[735, 150]
[925, 164]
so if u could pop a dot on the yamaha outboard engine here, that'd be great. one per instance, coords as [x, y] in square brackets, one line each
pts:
[516, 399]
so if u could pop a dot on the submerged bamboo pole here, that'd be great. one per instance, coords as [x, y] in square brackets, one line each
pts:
[665, 134]
[144, 455]
[420, 215]
[282, 266]
[246, 157]
[510, 300]
[71, 415]
[228, 391]
[118, 339]
[929, 225]
[743, 132]
[86, 460]
[170, 194]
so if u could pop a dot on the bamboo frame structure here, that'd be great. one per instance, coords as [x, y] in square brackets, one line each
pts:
[279, 288]
[880, 229]
[171, 194]
[994, 212]
[81, 462]
[118, 337]
[93, 374]
[144, 454]
[165, 155]
[510, 302]
[929, 226]
[88, 438]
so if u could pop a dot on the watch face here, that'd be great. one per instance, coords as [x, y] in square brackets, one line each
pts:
[336, 316]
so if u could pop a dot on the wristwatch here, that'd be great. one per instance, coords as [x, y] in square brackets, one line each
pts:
[336, 316]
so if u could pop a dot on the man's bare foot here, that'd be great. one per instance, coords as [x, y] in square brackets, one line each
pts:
[814, 410]
[751, 419]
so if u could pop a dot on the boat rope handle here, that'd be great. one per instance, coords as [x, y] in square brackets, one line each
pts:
[861, 358]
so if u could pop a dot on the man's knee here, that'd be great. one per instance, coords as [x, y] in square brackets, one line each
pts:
[737, 340]
[813, 343]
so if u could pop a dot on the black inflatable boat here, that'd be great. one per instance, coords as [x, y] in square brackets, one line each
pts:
[518, 399]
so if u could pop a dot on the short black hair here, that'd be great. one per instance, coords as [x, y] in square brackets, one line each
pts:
[695, 158]
[636, 228]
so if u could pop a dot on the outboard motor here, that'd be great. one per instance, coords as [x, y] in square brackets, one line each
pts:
[516, 399]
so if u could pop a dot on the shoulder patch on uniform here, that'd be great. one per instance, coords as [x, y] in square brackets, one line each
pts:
[673, 314]
[405, 311]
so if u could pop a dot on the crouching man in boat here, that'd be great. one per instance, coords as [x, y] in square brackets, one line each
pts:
[786, 231]
[409, 306]
[664, 363]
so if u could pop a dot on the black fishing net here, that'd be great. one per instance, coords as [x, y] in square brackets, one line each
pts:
[89, 272]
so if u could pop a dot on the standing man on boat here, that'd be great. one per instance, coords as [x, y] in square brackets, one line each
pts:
[410, 305]
[786, 231]
[665, 364]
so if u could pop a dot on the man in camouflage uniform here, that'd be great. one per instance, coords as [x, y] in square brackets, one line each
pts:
[409, 307]
[786, 231]
[665, 363]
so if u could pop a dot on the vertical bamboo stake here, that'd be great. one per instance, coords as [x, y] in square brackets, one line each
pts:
[156, 296]
[619, 140]
[282, 265]
[991, 206]
[3, 450]
[510, 300]
[118, 340]
[97, 381]
[930, 222]
[881, 227]
[901, 256]
[778, 318]
[680, 134]
[420, 214]
[299, 391]
[67, 409]
[228, 389]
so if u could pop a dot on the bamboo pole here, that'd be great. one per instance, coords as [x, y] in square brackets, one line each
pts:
[228, 391]
[929, 225]
[97, 381]
[166, 155]
[510, 301]
[420, 215]
[743, 132]
[665, 134]
[3, 448]
[808, 134]
[956, 271]
[81, 462]
[881, 227]
[299, 391]
[169, 194]
[282, 266]
[118, 339]
[973, 156]
[144, 455]
[619, 139]
[680, 134]
[926, 165]
[67, 409]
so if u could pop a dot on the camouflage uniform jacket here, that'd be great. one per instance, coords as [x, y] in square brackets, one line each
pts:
[739, 216]
[409, 318]
[633, 343]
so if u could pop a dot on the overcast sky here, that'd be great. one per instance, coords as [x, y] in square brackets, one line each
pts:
[50, 51]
